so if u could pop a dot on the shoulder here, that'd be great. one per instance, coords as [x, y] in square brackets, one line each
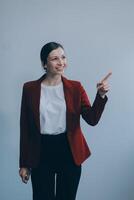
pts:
[71, 82]
[34, 83]
[30, 85]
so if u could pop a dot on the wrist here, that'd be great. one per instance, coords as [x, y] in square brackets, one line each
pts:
[102, 95]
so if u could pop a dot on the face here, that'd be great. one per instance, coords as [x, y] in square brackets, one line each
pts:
[56, 62]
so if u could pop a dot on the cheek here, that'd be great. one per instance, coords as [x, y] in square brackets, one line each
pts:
[52, 65]
[65, 64]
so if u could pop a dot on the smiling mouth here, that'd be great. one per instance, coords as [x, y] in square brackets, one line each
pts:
[59, 68]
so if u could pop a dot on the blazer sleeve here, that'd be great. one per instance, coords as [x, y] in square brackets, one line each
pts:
[92, 113]
[24, 130]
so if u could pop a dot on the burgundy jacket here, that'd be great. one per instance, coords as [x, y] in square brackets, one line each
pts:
[77, 104]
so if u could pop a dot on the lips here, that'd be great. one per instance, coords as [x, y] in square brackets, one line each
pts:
[59, 68]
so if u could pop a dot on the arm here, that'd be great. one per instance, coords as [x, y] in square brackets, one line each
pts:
[24, 171]
[24, 130]
[92, 114]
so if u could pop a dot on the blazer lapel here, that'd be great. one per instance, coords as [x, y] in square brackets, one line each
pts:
[68, 93]
[36, 100]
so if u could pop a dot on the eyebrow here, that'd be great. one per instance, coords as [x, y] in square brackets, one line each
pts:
[56, 56]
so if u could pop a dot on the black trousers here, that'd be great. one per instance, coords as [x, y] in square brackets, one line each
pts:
[57, 177]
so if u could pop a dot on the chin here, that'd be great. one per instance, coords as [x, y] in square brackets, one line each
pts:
[60, 72]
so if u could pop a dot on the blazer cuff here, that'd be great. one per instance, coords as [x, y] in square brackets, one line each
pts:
[101, 99]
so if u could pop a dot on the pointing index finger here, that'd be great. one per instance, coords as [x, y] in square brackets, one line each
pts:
[106, 77]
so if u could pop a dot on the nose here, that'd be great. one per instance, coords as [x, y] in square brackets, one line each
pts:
[60, 62]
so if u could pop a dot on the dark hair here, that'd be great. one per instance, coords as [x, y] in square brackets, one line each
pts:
[46, 49]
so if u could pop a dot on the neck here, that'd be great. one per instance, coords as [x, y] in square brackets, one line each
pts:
[52, 79]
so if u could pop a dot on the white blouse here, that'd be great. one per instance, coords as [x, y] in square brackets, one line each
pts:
[52, 109]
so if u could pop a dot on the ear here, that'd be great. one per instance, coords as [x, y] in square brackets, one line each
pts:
[44, 66]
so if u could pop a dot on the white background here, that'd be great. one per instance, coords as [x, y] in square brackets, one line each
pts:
[98, 36]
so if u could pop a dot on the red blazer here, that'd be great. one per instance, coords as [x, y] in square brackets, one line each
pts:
[77, 104]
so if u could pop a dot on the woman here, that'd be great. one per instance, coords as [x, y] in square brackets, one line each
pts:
[52, 145]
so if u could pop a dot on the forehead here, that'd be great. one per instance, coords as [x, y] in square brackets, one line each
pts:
[56, 52]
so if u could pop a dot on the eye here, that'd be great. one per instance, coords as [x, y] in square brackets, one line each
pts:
[54, 58]
[63, 57]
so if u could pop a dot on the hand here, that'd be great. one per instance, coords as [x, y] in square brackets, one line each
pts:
[24, 174]
[102, 86]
